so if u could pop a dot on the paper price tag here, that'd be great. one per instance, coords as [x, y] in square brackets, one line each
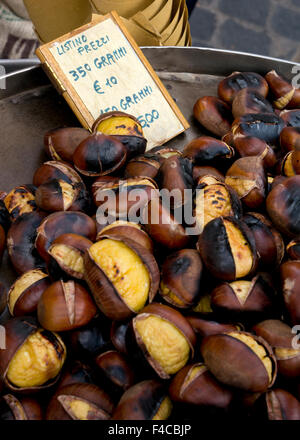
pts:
[99, 68]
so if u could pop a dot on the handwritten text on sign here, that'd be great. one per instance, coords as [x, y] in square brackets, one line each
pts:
[107, 74]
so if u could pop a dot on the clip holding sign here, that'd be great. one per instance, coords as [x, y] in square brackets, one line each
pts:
[99, 68]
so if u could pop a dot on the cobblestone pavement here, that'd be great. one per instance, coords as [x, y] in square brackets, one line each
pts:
[266, 27]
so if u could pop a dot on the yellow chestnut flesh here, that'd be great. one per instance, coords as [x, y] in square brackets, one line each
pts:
[126, 271]
[120, 223]
[164, 410]
[80, 409]
[16, 199]
[67, 194]
[241, 290]
[204, 305]
[165, 291]
[36, 362]
[288, 166]
[164, 342]
[216, 202]
[258, 349]
[120, 125]
[241, 186]
[240, 249]
[66, 256]
[286, 353]
[25, 281]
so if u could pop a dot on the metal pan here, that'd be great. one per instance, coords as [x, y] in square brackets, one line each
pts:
[29, 106]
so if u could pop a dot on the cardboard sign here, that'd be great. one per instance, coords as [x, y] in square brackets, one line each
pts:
[99, 68]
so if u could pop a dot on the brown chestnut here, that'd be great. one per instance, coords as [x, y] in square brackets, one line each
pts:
[290, 282]
[290, 165]
[248, 101]
[240, 360]
[251, 146]
[19, 408]
[60, 223]
[21, 242]
[65, 306]
[203, 327]
[207, 171]
[280, 336]
[99, 155]
[214, 114]
[206, 150]
[124, 127]
[61, 143]
[291, 117]
[195, 385]
[55, 170]
[265, 126]
[286, 96]
[293, 249]
[20, 200]
[290, 139]
[268, 241]
[282, 405]
[181, 278]
[3, 300]
[116, 369]
[80, 401]
[24, 294]
[122, 276]
[146, 165]
[33, 357]
[283, 206]
[147, 400]
[248, 178]
[232, 84]
[118, 334]
[227, 248]
[67, 252]
[165, 337]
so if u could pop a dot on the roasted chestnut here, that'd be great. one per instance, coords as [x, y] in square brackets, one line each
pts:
[203, 307]
[3, 301]
[265, 126]
[268, 241]
[232, 84]
[240, 360]
[248, 178]
[60, 223]
[203, 327]
[65, 306]
[119, 332]
[290, 282]
[67, 252]
[181, 278]
[251, 146]
[20, 200]
[248, 101]
[286, 96]
[291, 117]
[207, 171]
[99, 155]
[165, 337]
[33, 357]
[214, 114]
[55, 170]
[61, 143]
[293, 249]
[195, 385]
[80, 401]
[146, 165]
[122, 276]
[207, 150]
[290, 138]
[290, 165]
[281, 405]
[227, 248]
[77, 372]
[280, 336]
[116, 369]
[21, 242]
[283, 206]
[147, 400]
[124, 127]
[24, 294]
[163, 227]
[19, 408]
[244, 298]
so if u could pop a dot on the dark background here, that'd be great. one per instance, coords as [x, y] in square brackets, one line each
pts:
[266, 27]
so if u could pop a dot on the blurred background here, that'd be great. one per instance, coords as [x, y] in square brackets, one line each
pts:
[266, 27]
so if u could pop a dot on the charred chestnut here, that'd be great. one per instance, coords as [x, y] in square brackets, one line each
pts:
[19, 408]
[206, 150]
[195, 385]
[116, 368]
[291, 117]
[33, 357]
[24, 294]
[248, 101]
[99, 155]
[61, 143]
[65, 306]
[165, 337]
[248, 178]
[124, 127]
[80, 401]
[122, 276]
[60, 223]
[147, 400]
[232, 84]
[282, 205]
[285, 94]
[280, 336]
[181, 278]
[227, 248]
[214, 114]
[240, 360]
[54, 170]
[20, 200]
[265, 126]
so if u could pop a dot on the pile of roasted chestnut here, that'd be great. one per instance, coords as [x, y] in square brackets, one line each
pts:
[143, 319]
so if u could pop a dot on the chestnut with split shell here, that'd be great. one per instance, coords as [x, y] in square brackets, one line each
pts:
[19, 408]
[286, 96]
[293, 249]
[281, 405]
[61, 143]
[146, 165]
[232, 84]
[213, 114]
[20, 200]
